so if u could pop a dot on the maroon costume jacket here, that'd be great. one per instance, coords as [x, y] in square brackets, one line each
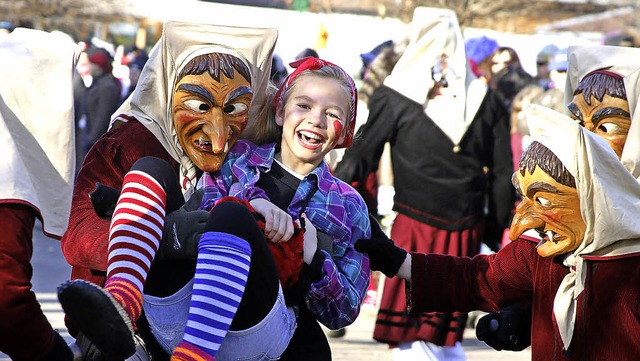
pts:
[85, 243]
[608, 318]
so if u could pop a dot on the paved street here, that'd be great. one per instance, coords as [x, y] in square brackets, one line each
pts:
[358, 345]
[50, 269]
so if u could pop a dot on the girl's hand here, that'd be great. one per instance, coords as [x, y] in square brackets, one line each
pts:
[278, 224]
[310, 240]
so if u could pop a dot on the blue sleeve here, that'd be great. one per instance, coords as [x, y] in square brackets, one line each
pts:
[336, 298]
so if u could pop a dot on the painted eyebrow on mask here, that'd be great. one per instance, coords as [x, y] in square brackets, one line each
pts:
[238, 93]
[541, 186]
[609, 111]
[575, 111]
[198, 90]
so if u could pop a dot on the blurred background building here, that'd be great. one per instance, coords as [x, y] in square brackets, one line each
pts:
[107, 18]
[338, 29]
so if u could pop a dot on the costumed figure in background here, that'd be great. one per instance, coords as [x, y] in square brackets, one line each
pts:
[579, 278]
[36, 177]
[603, 83]
[451, 158]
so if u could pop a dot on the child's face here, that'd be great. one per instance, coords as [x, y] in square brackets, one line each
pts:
[550, 208]
[313, 121]
[209, 116]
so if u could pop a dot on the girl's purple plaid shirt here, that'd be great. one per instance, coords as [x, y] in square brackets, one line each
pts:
[335, 209]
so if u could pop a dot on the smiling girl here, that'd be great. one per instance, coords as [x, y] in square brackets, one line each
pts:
[314, 112]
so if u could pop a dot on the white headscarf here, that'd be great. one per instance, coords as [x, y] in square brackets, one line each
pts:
[151, 101]
[434, 32]
[609, 203]
[620, 60]
[36, 124]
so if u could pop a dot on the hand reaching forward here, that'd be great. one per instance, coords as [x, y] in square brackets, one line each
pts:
[384, 255]
[278, 224]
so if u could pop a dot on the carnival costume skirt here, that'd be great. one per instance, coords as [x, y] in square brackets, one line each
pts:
[394, 324]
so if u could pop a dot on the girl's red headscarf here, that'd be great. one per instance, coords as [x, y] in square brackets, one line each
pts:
[312, 64]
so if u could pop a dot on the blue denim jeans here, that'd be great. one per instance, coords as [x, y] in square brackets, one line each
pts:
[267, 340]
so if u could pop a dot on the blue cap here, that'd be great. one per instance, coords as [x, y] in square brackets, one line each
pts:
[559, 60]
[6, 25]
[545, 54]
[480, 48]
[367, 58]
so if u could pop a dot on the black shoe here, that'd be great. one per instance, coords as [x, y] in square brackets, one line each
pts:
[337, 333]
[99, 317]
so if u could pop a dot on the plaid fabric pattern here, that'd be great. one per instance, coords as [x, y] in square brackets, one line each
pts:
[335, 209]
[238, 174]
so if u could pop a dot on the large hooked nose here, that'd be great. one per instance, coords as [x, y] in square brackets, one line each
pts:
[524, 219]
[217, 129]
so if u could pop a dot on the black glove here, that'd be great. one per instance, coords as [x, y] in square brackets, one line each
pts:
[104, 199]
[182, 230]
[193, 204]
[507, 329]
[384, 255]
[60, 350]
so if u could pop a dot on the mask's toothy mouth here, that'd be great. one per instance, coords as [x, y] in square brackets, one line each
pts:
[205, 145]
[548, 235]
[202, 143]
